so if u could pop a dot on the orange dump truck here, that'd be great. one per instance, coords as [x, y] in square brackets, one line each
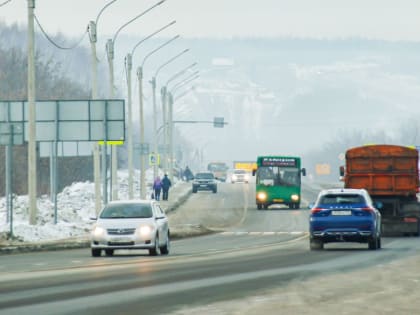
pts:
[390, 173]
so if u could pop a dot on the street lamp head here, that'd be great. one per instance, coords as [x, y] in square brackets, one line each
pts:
[170, 60]
[136, 17]
[158, 48]
[178, 74]
[151, 35]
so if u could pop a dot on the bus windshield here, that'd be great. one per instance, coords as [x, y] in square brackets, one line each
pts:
[278, 176]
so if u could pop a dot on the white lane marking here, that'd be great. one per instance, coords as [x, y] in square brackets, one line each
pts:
[240, 233]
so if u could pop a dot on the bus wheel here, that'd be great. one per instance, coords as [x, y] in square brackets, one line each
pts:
[265, 206]
[259, 206]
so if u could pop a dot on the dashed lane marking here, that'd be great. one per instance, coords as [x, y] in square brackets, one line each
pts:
[240, 233]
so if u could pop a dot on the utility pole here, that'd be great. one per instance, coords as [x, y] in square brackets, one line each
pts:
[32, 116]
[94, 77]
[129, 67]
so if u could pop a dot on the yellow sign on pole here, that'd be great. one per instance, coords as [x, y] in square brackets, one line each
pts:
[114, 142]
[154, 159]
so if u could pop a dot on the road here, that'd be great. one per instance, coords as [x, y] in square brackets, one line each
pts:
[257, 261]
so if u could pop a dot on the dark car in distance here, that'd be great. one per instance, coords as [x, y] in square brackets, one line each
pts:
[204, 181]
[344, 215]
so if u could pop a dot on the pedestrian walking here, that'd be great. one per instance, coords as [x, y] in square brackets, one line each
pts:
[188, 175]
[166, 184]
[157, 186]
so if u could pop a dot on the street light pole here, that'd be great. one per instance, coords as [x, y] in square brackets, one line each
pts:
[171, 101]
[153, 82]
[32, 182]
[129, 67]
[165, 104]
[93, 37]
[110, 52]
[142, 143]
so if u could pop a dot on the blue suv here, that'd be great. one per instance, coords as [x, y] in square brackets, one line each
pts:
[344, 215]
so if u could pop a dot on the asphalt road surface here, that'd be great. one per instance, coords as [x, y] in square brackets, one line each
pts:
[257, 262]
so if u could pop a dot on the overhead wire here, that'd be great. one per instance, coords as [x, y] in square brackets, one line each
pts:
[53, 42]
[4, 3]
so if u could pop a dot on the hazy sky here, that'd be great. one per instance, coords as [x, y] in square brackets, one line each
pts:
[378, 19]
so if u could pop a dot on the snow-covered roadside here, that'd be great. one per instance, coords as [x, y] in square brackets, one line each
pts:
[75, 207]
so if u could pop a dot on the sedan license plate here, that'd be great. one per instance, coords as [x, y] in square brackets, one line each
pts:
[203, 185]
[120, 240]
[341, 212]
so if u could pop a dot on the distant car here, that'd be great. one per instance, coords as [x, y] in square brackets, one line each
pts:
[132, 224]
[204, 181]
[344, 215]
[239, 176]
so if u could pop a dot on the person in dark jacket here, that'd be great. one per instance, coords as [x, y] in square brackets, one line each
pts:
[157, 186]
[188, 175]
[166, 184]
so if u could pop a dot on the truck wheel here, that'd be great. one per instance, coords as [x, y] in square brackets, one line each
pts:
[265, 206]
[194, 190]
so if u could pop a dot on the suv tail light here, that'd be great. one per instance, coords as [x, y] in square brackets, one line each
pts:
[316, 210]
[368, 209]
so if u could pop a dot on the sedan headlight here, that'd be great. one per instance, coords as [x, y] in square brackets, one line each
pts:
[98, 232]
[262, 196]
[144, 230]
[295, 197]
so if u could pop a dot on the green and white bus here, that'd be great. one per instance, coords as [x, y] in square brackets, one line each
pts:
[278, 181]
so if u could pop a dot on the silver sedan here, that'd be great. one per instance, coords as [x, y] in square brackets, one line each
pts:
[132, 224]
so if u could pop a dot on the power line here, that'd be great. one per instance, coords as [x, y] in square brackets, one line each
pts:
[4, 3]
[52, 41]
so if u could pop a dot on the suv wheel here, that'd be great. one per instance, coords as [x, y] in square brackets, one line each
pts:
[374, 243]
[315, 244]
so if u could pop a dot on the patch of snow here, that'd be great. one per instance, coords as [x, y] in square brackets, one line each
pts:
[75, 207]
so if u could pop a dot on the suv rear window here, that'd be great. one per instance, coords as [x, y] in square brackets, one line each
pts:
[342, 199]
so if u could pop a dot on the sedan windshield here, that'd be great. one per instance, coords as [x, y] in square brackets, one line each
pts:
[127, 211]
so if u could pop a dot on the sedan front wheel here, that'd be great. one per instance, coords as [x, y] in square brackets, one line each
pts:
[96, 252]
[155, 251]
[164, 250]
